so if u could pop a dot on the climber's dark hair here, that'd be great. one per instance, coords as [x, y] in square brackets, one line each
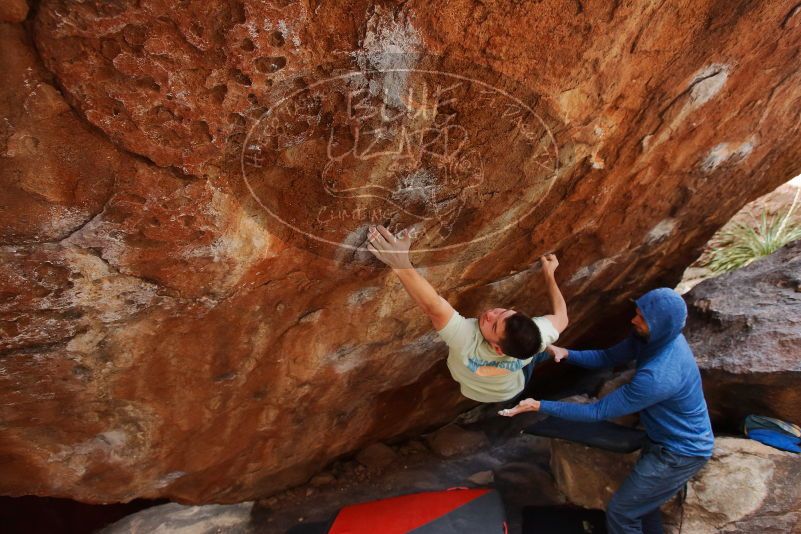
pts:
[521, 338]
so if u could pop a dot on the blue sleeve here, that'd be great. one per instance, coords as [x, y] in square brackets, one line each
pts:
[642, 392]
[596, 359]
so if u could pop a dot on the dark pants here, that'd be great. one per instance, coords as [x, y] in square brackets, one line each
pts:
[528, 370]
[658, 475]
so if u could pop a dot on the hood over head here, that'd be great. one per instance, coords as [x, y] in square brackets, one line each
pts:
[665, 312]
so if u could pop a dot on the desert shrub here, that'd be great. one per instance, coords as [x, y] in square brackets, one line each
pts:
[743, 242]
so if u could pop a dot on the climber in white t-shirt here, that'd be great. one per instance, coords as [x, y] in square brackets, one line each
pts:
[491, 356]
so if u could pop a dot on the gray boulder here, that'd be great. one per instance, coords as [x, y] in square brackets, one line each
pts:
[746, 487]
[745, 330]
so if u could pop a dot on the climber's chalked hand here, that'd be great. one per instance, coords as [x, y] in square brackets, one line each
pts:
[390, 249]
[526, 405]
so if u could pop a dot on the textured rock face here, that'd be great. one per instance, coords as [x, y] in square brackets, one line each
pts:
[13, 11]
[233, 518]
[745, 487]
[745, 330]
[588, 476]
[163, 336]
[513, 463]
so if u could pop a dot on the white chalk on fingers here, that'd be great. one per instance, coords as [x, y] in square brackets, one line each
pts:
[506, 412]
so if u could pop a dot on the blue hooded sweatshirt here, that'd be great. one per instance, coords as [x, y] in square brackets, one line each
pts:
[666, 387]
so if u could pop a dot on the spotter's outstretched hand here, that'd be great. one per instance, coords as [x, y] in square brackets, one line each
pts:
[558, 353]
[390, 249]
[526, 405]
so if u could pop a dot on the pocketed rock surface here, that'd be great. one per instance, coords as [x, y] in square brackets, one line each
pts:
[182, 314]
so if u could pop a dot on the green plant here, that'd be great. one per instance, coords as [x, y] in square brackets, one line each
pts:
[742, 243]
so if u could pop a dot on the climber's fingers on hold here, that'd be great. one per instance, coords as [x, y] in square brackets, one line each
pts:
[386, 233]
[376, 239]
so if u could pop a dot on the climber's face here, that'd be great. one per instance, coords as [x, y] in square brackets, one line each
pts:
[492, 324]
[640, 326]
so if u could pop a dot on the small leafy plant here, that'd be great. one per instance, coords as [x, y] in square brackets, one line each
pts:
[743, 243]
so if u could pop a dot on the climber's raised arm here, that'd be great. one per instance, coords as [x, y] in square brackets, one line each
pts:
[394, 251]
[559, 316]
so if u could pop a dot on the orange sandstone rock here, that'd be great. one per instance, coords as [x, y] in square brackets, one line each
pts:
[180, 316]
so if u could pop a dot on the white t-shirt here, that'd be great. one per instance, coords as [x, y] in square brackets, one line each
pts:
[469, 351]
